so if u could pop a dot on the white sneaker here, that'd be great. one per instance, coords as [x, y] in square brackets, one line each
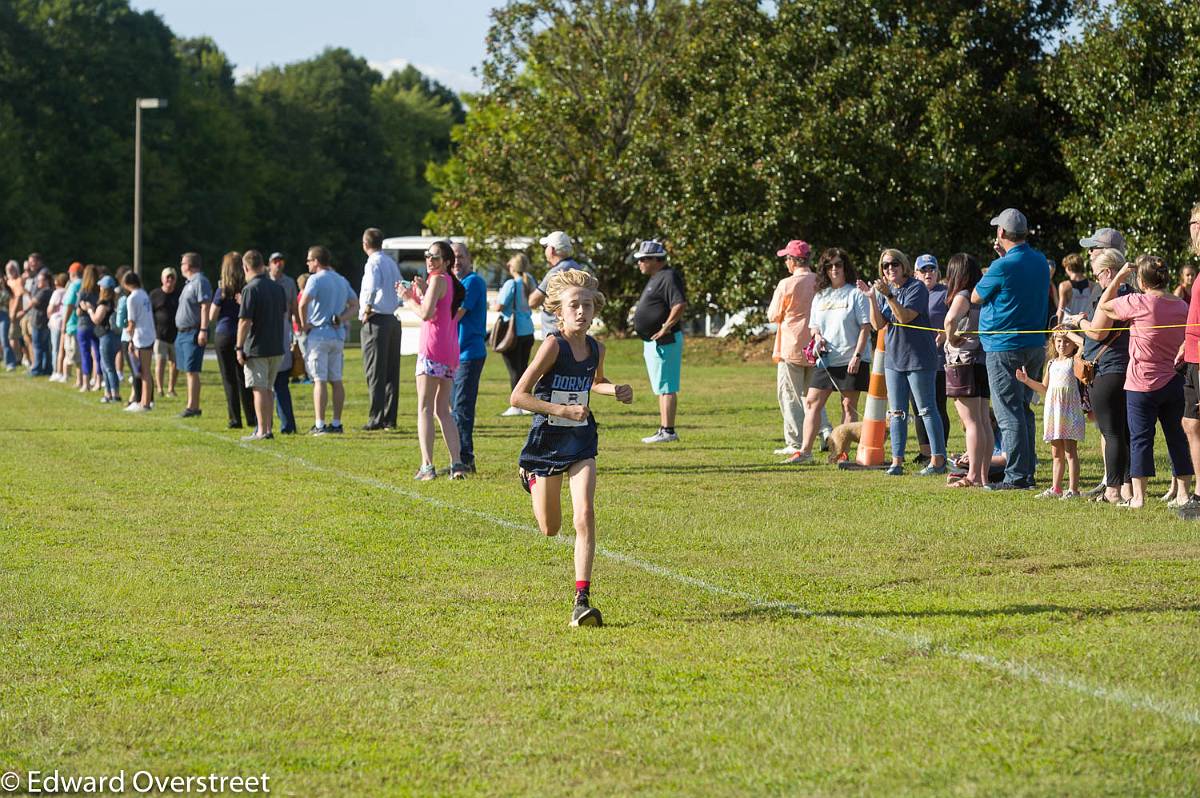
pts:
[137, 409]
[513, 411]
[662, 436]
[786, 451]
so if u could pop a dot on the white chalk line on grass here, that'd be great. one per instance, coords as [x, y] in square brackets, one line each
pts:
[1130, 699]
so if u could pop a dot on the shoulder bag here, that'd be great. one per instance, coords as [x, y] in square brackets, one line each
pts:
[504, 331]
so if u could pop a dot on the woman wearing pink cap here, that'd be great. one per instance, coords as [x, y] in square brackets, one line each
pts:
[789, 309]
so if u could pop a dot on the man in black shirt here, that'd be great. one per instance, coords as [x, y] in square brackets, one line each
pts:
[656, 319]
[164, 302]
[260, 338]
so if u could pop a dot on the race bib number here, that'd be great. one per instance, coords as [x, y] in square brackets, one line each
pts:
[567, 398]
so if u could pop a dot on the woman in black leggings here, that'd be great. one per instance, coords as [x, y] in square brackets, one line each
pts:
[513, 305]
[1110, 351]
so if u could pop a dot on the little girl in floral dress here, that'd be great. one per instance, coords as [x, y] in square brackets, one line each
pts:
[1064, 417]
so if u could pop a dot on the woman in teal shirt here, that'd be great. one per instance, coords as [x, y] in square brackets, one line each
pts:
[513, 302]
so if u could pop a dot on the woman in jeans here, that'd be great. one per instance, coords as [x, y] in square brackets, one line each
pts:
[226, 304]
[513, 303]
[910, 356]
[85, 334]
[107, 338]
[964, 355]
[1153, 388]
[1110, 352]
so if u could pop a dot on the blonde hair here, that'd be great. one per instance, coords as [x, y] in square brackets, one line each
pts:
[1052, 349]
[520, 262]
[897, 255]
[571, 278]
[1108, 259]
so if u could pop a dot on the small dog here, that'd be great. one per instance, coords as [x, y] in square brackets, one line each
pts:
[840, 440]
[842, 437]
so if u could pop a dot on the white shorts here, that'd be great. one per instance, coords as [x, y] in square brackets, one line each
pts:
[324, 357]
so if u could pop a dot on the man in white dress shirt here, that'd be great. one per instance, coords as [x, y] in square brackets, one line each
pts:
[377, 302]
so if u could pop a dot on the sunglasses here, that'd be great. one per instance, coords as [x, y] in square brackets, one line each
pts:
[927, 269]
[432, 256]
[889, 264]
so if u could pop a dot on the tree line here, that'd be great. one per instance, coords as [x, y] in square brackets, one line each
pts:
[311, 152]
[728, 127]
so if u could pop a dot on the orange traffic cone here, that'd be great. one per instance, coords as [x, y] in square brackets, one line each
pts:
[874, 429]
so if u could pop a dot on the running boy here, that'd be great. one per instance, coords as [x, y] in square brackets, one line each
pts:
[567, 369]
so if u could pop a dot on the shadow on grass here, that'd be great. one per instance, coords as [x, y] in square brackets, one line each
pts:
[987, 612]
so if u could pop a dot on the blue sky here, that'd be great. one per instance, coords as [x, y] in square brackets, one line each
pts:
[442, 38]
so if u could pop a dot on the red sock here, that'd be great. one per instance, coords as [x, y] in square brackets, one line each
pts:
[581, 586]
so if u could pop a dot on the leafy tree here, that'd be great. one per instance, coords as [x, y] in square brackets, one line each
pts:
[416, 115]
[567, 131]
[856, 123]
[1133, 144]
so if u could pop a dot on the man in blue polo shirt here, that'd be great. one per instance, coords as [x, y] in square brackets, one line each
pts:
[1015, 295]
[472, 351]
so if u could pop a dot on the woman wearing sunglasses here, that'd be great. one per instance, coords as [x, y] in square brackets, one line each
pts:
[910, 356]
[436, 303]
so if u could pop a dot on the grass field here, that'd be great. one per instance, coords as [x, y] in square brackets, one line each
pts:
[176, 601]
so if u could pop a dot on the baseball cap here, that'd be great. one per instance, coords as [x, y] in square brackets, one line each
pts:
[275, 256]
[1106, 238]
[650, 249]
[926, 261]
[795, 249]
[560, 241]
[1011, 220]
[75, 268]
[108, 281]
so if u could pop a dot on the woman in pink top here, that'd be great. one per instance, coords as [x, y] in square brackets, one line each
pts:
[789, 309]
[437, 355]
[1153, 388]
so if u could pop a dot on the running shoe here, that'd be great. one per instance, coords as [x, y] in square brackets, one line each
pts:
[932, 470]
[1050, 493]
[662, 436]
[584, 614]
[786, 451]
[512, 411]
[318, 429]
[895, 471]
[799, 458]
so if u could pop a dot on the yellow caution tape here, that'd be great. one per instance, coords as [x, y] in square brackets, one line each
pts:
[1033, 332]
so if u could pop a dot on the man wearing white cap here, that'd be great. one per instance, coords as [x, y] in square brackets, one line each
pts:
[1015, 295]
[559, 250]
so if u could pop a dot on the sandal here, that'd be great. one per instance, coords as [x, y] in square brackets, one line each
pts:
[962, 483]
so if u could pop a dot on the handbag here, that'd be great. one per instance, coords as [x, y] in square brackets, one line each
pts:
[504, 332]
[297, 371]
[960, 380]
[503, 335]
[1085, 370]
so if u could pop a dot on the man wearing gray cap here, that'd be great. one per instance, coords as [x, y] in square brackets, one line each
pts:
[1104, 238]
[1015, 295]
[559, 250]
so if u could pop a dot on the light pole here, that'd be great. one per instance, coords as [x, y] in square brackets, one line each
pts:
[138, 105]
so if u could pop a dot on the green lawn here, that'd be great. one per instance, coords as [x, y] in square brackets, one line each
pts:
[173, 600]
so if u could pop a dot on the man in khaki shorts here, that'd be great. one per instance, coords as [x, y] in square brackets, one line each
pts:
[260, 339]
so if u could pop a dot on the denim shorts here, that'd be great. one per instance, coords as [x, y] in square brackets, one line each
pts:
[189, 355]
